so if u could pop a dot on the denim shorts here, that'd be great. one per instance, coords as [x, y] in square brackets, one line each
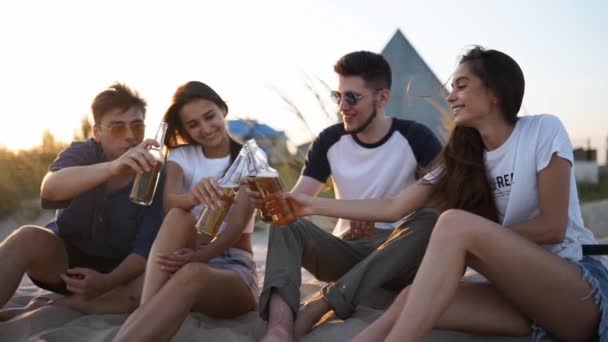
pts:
[594, 272]
[242, 263]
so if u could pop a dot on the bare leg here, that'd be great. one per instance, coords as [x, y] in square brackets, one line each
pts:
[310, 314]
[476, 308]
[280, 321]
[35, 250]
[378, 330]
[212, 291]
[521, 271]
[177, 231]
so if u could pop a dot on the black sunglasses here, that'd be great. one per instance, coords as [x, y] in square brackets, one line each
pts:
[350, 97]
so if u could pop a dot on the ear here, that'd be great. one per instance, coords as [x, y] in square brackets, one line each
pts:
[96, 132]
[384, 96]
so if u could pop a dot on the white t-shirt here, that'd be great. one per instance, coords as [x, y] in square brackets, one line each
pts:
[195, 166]
[513, 175]
[362, 171]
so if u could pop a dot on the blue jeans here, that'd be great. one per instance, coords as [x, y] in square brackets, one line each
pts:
[594, 272]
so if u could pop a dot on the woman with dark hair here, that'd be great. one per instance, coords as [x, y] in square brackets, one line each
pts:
[510, 211]
[183, 272]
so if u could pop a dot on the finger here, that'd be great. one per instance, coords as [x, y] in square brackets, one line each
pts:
[133, 165]
[77, 283]
[216, 187]
[140, 158]
[168, 262]
[148, 142]
[75, 290]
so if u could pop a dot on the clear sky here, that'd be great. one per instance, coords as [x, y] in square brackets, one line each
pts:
[55, 56]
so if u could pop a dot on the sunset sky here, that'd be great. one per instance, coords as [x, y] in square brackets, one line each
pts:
[57, 55]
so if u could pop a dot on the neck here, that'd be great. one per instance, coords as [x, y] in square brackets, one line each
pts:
[377, 129]
[219, 151]
[495, 132]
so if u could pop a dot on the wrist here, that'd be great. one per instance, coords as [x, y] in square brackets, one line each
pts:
[263, 217]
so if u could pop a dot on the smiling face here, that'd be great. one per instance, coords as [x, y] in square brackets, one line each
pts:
[119, 130]
[357, 117]
[470, 100]
[205, 123]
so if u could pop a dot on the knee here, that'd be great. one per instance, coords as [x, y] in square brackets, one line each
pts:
[192, 277]
[178, 222]
[453, 225]
[29, 236]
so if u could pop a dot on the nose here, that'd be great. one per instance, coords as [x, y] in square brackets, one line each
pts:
[343, 105]
[129, 135]
[451, 97]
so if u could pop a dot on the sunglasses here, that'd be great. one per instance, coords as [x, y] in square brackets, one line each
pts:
[350, 97]
[119, 130]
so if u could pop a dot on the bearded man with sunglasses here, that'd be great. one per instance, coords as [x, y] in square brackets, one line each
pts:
[99, 240]
[368, 155]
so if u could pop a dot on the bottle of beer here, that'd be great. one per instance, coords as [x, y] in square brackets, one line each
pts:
[267, 181]
[257, 164]
[209, 222]
[145, 183]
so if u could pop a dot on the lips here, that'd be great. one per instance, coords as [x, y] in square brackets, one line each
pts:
[457, 108]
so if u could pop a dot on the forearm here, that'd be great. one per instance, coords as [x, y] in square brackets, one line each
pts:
[540, 230]
[380, 210]
[130, 268]
[183, 201]
[236, 224]
[66, 183]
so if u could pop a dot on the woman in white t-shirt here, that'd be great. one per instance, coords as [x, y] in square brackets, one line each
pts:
[510, 211]
[184, 274]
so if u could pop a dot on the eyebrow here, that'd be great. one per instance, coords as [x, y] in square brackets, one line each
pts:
[124, 122]
[461, 78]
[204, 114]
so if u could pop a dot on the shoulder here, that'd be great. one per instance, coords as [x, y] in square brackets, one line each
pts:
[411, 129]
[332, 133]
[542, 125]
[328, 137]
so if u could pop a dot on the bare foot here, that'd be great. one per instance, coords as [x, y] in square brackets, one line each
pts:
[277, 334]
[34, 304]
[310, 314]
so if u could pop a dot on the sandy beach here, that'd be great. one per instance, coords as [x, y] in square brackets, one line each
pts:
[62, 324]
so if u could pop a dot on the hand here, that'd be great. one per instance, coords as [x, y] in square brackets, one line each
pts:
[173, 261]
[85, 282]
[361, 228]
[301, 204]
[208, 193]
[254, 196]
[137, 159]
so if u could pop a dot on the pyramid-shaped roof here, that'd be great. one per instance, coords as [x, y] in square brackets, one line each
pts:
[426, 97]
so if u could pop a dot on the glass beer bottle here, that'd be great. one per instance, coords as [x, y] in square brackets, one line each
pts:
[209, 222]
[257, 163]
[145, 183]
[268, 182]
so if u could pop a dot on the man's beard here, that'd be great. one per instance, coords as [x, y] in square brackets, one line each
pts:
[365, 124]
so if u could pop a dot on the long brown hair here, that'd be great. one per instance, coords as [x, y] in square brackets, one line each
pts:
[186, 93]
[462, 182]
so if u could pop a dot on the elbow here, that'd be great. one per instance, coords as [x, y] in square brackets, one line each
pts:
[556, 232]
[49, 191]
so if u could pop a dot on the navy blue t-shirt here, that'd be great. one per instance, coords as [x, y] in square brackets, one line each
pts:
[103, 224]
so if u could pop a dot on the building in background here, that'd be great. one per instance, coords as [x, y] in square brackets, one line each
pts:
[273, 142]
[586, 168]
[416, 93]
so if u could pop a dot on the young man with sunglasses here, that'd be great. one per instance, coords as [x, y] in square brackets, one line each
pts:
[99, 240]
[368, 155]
